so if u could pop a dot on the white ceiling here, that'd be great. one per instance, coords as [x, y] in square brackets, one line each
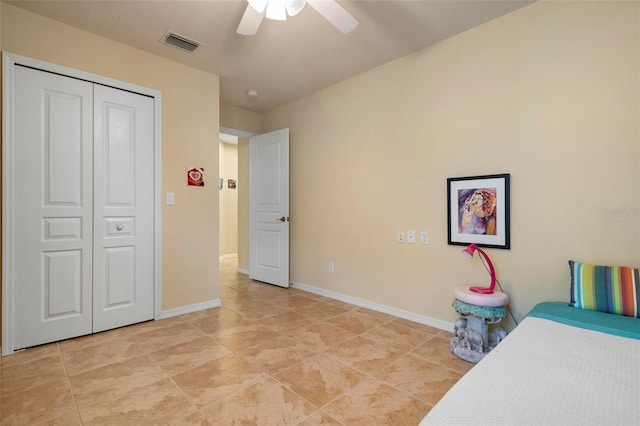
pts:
[285, 60]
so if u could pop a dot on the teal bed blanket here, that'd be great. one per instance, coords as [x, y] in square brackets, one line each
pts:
[592, 320]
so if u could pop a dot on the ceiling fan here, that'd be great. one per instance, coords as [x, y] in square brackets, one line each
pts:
[279, 9]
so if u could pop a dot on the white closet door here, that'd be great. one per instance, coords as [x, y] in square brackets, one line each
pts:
[82, 208]
[51, 207]
[123, 269]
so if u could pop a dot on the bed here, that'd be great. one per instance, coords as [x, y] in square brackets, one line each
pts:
[561, 366]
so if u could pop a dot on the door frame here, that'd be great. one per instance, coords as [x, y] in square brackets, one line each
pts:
[248, 135]
[9, 61]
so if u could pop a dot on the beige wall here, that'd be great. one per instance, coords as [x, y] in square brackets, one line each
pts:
[549, 94]
[228, 200]
[240, 119]
[190, 114]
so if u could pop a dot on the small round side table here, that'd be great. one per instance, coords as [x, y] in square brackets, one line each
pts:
[471, 340]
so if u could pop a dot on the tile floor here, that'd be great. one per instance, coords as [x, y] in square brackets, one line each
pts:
[269, 356]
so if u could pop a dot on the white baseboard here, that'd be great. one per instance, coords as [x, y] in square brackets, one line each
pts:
[228, 256]
[215, 303]
[410, 316]
[243, 271]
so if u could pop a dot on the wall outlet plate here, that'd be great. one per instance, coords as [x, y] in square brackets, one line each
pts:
[424, 238]
[411, 236]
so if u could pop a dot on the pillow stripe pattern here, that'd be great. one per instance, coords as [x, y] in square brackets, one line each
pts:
[624, 292]
[611, 289]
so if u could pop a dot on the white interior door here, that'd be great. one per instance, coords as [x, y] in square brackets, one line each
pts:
[51, 207]
[82, 212]
[123, 208]
[269, 207]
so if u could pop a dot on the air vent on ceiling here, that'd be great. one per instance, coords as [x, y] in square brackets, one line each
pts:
[180, 41]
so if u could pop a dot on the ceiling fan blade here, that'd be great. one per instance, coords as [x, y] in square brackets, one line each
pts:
[250, 21]
[335, 14]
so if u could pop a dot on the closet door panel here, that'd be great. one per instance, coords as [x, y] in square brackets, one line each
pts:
[123, 208]
[51, 207]
[119, 268]
[62, 283]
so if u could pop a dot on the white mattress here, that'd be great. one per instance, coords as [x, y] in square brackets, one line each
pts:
[547, 373]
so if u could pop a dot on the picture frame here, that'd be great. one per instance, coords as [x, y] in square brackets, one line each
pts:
[195, 176]
[478, 211]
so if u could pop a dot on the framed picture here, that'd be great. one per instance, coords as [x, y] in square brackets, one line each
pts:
[478, 211]
[195, 176]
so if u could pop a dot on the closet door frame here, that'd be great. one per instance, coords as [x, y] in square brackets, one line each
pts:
[9, 62]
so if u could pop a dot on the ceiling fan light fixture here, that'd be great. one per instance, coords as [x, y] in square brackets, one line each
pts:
[258, 5]
[294, 6]
[276, 10]
[257, 10]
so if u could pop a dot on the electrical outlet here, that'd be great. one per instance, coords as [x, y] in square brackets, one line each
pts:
[411, 236]
[400, 238]
[331, 268]
[424, 238]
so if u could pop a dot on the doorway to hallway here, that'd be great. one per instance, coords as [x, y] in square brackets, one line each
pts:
[228, 188]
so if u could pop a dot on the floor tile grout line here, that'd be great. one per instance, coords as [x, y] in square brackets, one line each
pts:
[142, 353]
[259, 376]
[436, 361]
[374, 374]
[394, 386]
[186, 395]
[68, 379]
[321, 412]
[321, 408]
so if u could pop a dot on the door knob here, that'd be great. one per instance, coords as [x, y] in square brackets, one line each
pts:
[120, 227]
[282, 219]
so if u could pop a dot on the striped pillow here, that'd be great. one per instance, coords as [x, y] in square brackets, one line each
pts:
[611, 289]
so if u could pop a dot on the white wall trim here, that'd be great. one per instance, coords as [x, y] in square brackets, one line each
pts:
[400, 313]
[215, 303]
[9, 61]
[228, 256]
[230, 139]
[411, 316]
[237, 132]
[7, 195]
